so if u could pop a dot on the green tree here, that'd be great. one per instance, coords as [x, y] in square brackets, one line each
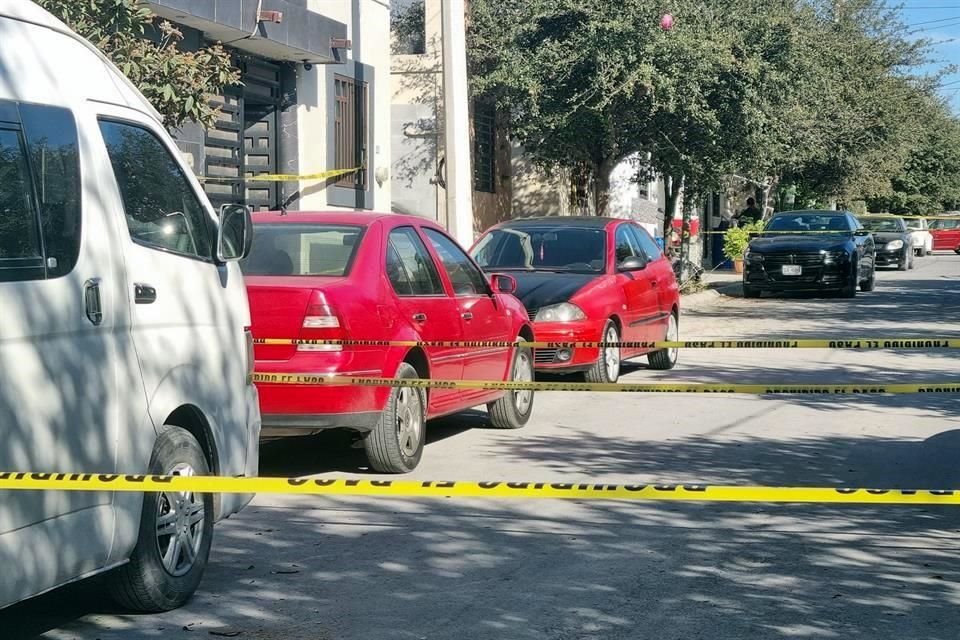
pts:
[569, 75]
[820, 95]
[178, 83]
[589, 83]
[869, 98]
[929, 181]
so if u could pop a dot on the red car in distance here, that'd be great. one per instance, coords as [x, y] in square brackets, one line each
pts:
[946, 234]
[590, 280]
[361, 276]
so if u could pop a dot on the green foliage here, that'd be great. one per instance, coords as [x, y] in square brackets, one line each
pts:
[177, 83]
[929, 181]
[736, 239]
[408, 28]
[822, 95]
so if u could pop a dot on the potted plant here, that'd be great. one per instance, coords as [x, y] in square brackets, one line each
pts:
[735, 242]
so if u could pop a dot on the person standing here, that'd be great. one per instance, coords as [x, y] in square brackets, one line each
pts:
[749, 215]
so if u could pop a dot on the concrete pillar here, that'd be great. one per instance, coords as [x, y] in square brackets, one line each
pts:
[457, 123]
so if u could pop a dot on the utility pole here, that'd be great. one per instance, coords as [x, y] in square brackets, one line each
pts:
[456, 117]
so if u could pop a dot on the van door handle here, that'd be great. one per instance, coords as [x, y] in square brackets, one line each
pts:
[144, 294]
[419, 317]
[91, 300]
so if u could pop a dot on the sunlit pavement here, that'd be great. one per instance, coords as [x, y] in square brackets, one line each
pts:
[318, 568]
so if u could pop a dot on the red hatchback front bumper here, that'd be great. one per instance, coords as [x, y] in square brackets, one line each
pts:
[567, 359]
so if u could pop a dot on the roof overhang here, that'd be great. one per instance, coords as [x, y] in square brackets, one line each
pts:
[301, 36]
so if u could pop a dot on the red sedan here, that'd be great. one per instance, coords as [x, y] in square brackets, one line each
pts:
[588, 279]
[356, 276]
[946, 234]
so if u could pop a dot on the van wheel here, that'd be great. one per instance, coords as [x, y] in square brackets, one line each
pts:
[667, 358]
[395, 445]
[176, 529]
[513, 410]
[607, 366]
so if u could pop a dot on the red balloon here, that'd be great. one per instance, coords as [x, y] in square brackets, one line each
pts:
[666, 22]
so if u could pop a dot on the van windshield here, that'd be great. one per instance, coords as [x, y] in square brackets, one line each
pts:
[302, 250]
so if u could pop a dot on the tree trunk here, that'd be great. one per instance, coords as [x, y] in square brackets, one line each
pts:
[769, 195]
[685, 241]
[601, 187]
[672, 187]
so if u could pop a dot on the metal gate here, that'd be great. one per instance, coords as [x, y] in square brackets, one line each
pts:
[244, 142]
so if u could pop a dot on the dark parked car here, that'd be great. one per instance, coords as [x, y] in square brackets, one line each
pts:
[893, 240]
[810, 251]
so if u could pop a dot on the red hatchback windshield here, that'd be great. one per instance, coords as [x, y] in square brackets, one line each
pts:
[283, 249]
[559, 248]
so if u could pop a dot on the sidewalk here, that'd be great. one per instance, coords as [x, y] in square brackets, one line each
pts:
[722, 279]
[718, 283]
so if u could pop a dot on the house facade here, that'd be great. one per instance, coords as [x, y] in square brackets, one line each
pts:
[314, 97]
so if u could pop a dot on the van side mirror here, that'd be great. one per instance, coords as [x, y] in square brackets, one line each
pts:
[503, 283]
[235, 233]
[633, 263]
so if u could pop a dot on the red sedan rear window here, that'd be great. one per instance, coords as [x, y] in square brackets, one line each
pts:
[302, 250]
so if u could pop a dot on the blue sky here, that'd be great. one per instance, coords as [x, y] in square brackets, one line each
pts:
[938, 20]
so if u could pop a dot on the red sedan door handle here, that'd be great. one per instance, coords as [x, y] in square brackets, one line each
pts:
[419, 317]
[467, 316]
[654, 283]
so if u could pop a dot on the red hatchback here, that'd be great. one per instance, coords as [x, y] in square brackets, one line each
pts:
[946, 234]
[357, 276]
[588, 279]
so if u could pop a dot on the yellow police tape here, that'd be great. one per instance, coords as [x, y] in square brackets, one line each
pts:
[283, 177]
[817, 343]
[622, 387]
[471, 489]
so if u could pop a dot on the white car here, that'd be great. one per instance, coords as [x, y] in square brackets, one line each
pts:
[124, 341]
[920, 236]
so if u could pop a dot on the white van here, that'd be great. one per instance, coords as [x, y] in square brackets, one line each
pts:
[124, 340]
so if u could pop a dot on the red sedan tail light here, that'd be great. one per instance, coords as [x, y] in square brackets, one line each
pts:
[321, 322]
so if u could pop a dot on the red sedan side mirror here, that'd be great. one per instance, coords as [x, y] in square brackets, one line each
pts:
[503, 283]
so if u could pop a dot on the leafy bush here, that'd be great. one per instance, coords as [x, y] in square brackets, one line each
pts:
[177, 83]
[736, 239]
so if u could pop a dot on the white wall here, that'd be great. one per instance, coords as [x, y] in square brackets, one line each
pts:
[626, 197]
[368, 27]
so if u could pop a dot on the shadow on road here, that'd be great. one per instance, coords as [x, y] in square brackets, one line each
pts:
[321, 568]
[908, 306]
[339, 449]
[365, 568]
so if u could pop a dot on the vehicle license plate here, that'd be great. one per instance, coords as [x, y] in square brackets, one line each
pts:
[791, 270]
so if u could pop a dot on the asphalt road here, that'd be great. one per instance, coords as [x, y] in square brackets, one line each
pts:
[296, 568]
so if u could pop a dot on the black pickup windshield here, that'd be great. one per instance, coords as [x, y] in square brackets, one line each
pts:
[806, 222]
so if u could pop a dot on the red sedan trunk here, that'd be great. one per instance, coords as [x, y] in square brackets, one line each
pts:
[353, 276]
